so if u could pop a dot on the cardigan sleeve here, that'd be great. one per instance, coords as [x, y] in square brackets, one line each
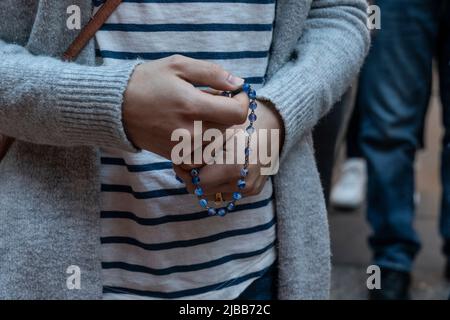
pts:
[328, 56]
[47, 101]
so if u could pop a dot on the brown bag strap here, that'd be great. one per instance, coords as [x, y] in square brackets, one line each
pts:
[90, 29]
[74, 50]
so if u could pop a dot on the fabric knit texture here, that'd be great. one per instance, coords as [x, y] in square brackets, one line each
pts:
[62, 113]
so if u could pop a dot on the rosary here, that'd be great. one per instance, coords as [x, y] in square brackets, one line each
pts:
[212, 211]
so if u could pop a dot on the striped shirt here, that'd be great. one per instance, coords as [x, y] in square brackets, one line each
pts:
[157, 243]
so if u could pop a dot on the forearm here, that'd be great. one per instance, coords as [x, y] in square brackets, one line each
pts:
[47, 101]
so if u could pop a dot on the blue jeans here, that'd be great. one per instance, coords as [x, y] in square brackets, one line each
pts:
[395, 88]
[263, 288]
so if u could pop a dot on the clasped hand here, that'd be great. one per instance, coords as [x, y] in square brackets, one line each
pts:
[162, 96]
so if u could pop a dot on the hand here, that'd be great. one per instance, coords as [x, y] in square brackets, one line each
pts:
[216, 178]
[161, 97]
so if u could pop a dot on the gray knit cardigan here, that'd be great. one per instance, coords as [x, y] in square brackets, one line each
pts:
[61, 113]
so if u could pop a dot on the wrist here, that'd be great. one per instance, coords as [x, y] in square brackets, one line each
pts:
[270, 118]
[269, 111]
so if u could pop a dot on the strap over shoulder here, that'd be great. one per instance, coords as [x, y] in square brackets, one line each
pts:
[90, 29]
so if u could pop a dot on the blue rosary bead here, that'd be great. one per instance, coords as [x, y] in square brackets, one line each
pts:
[253, 105]
[237, 196]
[203, 203]
[246, 88]
[241, 183]
[231, 206]
[198, 191]
[196, 180]
[212, 212]
[221, 212]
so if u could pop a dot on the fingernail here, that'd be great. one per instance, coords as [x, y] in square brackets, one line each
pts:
[235, 81]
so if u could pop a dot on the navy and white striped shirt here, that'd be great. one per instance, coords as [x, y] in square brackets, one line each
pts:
[156, 241]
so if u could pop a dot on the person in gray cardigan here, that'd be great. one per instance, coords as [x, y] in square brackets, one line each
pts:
[49, 180]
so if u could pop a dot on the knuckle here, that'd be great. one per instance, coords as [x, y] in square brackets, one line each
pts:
[176, 61]
[192, 111]
[189, 107]
[184, 105]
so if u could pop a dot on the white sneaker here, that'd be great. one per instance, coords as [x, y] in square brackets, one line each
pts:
[349, 192]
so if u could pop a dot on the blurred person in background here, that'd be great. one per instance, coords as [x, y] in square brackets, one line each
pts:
[328, 135]
[394, 92]
[349, 191]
